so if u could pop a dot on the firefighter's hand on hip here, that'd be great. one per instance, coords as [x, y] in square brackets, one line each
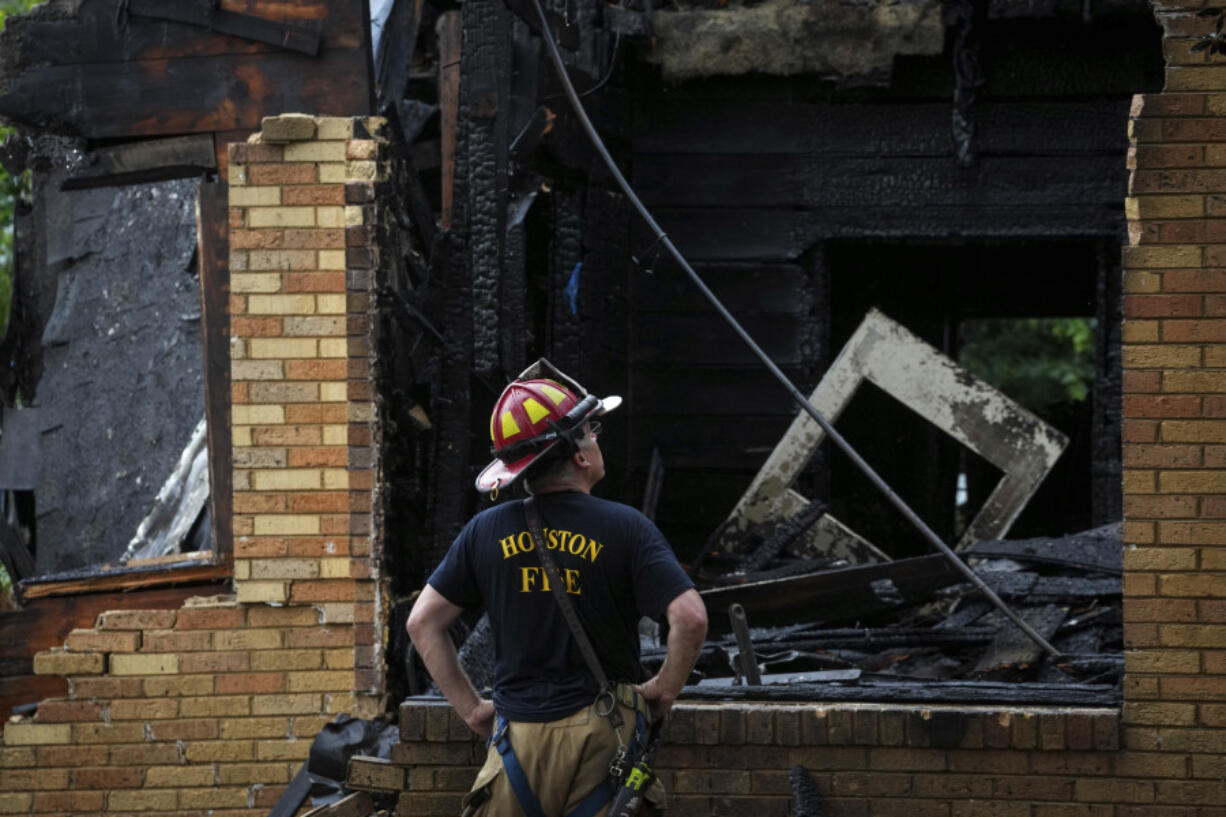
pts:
[480, 718]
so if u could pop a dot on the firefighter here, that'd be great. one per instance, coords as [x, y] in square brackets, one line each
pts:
[552, 742]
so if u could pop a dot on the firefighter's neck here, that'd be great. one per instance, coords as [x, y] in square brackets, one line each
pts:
[579, 476]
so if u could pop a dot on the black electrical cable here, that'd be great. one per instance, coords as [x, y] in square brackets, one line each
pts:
[800, 399]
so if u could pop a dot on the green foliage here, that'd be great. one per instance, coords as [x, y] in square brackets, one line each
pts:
[1039, 362]
[11, 189]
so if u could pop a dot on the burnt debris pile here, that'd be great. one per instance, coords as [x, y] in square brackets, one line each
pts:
[804, 607]
[914, 629]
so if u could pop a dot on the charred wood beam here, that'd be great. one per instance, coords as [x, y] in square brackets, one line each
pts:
[1067, 588]
[449, 30]
[89, 76]
[834, 594]
[1106, 499]
[968, 77]
[150, 161]
[880, 638]
[207, 15]
[1100, 550]
[799, 567]
[1092, 664]
[918, 691]
[482, 147]
[452, 443]
[188, 571]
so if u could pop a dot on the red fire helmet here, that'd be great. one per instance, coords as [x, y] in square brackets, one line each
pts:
[539, 410]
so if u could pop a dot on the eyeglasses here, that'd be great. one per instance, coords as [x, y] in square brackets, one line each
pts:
[596, 428]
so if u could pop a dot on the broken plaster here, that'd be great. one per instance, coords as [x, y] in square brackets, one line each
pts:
[851, 41]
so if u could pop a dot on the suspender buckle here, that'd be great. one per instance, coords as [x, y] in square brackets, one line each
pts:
[617, 765]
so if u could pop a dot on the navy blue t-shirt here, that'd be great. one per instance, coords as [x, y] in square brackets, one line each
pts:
[617, 567]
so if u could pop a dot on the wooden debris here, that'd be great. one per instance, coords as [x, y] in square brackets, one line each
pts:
[830, 595]
[993, 693]
[1101, 550]
[1012, 648]
[154, 160]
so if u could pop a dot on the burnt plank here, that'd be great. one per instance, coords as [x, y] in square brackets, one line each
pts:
[917, 691]
[146, 161]
[450, 40]
[169, 78]
[213, 254]
[681, 124]
[770, 234]
[1101, 549]
[1012, 648]
[815, 181]
[245, 26]
[92, 36]
[833, 594]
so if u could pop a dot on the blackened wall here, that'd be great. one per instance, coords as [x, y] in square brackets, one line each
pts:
[802, 204]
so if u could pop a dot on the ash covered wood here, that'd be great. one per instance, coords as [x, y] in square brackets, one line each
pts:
[932, 637]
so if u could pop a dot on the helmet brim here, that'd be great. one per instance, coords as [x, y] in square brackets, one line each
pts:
[499, 474]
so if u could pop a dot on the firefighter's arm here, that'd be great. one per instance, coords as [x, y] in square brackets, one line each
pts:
[428, 621]
[687, 629]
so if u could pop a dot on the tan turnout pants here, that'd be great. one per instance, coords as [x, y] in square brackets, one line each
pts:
[564, 760]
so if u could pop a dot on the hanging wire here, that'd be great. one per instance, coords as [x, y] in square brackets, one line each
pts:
[837, 438]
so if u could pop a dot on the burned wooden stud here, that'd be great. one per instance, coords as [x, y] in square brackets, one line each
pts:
[449, 29]
[746, 657]
[833, 594]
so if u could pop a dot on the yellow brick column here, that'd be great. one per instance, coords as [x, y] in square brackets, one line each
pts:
[301, 276]
[1174, 428]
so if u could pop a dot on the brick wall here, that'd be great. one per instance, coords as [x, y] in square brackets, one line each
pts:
[867, 761]
[211, 708]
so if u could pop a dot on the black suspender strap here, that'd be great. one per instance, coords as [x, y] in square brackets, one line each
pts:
[606, 701]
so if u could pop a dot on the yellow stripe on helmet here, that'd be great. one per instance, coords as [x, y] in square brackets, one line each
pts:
[535, 410]
[509, 427]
